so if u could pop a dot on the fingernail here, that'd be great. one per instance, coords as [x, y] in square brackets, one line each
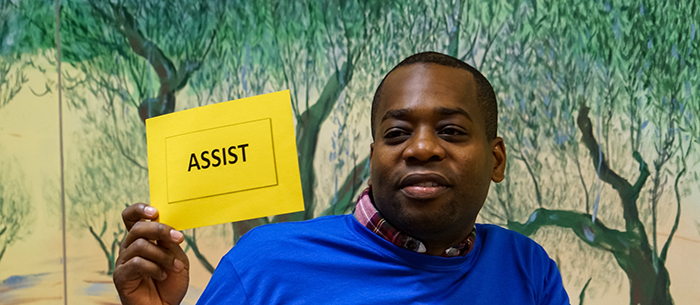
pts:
[163, 276]
[175, 235]
[149, 210]
[178, 265]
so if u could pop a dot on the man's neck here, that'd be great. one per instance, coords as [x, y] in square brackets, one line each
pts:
[438, 248]
[367, 215]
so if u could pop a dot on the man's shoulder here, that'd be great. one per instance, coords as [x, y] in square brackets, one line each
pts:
[511, 256]
[293, 234]
[311, 226]
[493, 236]
[291, 240]
[495, 231]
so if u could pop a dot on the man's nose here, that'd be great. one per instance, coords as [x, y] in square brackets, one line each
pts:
[424, 146]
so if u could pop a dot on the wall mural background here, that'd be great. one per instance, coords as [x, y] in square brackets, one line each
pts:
[599, 104]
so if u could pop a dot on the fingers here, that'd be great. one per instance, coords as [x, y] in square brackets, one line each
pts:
[178, 253]
[138, 267]
[137, 212]
[149, 254]
[151, 249]
[152, 231]
[163, 258]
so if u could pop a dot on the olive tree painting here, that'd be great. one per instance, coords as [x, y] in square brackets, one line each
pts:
[22, 29]
[598, 107]
[606, 87]
[14, 205]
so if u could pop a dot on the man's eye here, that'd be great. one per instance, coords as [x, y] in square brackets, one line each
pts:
[395, 136]
[394, 133]
[452, 132]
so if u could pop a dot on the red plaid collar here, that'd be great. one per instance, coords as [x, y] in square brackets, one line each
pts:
[368, 216]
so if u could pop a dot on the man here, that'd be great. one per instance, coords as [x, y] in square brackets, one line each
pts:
[412, 238]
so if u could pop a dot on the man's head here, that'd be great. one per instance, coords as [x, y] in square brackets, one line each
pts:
[486, 95]
[435, 148]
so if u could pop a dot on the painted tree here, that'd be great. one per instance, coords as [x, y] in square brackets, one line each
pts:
[316, 47]
[100, 186]
[408, 27]
[344, 28]
[134, 58]
[27, 29]
[14, 205]
[105, 172]
[395, 33]
[23, 29]
[117, 47]
[11, 80]
[596, 64]
[237, 67]
[113, 45]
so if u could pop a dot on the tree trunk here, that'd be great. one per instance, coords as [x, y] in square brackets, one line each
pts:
[110, 256]
[647, 286]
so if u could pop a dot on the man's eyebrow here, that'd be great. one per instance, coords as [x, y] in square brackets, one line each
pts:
[443, 111]
[404, 114]
[397, 114]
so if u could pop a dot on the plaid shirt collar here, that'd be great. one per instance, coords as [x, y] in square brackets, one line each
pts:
[368, 216]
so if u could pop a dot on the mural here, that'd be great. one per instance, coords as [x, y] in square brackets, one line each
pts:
[598, 104]
[31, 268]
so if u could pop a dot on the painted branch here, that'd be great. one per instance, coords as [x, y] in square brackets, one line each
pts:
[583, 182]
[2, 253]
[346, 194]
[192, 243]
[171, 78]
[606, 173]
[534, 179]
[242, 227]
[453, 35]
[110, 262]
[307, 135]
[648, 277]
[582, 295]
[595, 234]
[141, 46]
[664, 250]
[626, 191]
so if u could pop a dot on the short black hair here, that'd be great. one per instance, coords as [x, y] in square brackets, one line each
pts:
[486, 96]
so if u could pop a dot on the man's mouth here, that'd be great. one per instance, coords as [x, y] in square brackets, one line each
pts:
[423, 186]
[427, 184]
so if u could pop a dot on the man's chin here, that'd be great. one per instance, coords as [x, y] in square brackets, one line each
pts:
[420, 216]
[422, 227]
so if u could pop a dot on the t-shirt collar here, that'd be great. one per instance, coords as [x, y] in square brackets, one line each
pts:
[368, 216]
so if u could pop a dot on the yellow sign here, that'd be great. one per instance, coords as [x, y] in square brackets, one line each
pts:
[225, 162]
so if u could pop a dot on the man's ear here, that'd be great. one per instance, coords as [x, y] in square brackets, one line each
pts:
[499, 158]
[371, 153]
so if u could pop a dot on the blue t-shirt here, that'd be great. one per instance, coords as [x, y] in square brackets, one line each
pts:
[336, 260]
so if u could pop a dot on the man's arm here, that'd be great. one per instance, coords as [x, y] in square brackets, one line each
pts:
[553, 292]
[151, 268]
[225, 286]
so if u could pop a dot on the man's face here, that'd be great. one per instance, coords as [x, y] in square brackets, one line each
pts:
[431, 164]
